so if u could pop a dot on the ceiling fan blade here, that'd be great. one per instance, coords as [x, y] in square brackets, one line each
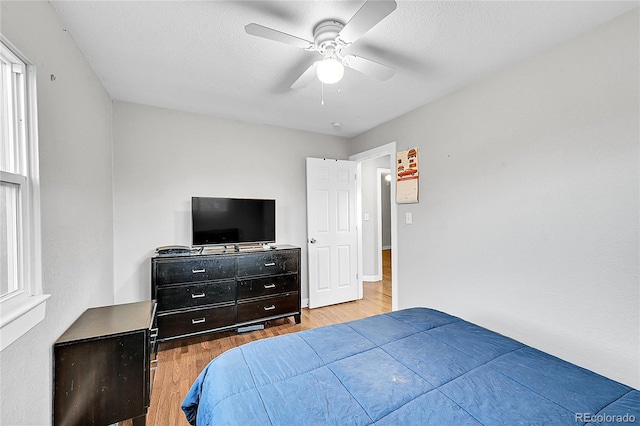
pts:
[372, 12]
[369, 67]
[271, 34]
[307, 77]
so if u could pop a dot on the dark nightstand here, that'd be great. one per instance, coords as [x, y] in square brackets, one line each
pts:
[104, 366]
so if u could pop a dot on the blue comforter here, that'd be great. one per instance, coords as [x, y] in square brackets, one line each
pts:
[415, 366]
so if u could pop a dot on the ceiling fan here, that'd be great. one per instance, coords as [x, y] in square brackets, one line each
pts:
[330, 37]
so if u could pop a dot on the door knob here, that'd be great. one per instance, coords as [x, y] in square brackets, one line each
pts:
[312, 241]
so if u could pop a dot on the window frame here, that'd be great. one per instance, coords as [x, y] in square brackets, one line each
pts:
[22, 309]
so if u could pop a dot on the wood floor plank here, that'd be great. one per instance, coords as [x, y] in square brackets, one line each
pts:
[180, 362]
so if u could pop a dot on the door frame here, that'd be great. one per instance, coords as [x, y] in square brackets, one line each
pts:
[390, 150]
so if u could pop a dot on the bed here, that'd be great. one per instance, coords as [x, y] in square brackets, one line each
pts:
[414, 366]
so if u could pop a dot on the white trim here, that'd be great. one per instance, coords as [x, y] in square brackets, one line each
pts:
[21, 311]
[371, 278]
[387, 149]
[361, 277]
[34, 239]
[21, 318]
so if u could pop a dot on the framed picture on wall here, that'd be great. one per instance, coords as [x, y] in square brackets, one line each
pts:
[407, 176]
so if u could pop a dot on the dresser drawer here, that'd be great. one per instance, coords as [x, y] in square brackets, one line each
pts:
[266, 286]
[193, 269]
[195, 321]
[195, 294]
[269, 263]
[268, 307]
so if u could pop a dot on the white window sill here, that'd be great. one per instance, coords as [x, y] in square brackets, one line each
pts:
[17, 320]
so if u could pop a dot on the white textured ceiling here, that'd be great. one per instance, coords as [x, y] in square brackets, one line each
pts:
[195, 55]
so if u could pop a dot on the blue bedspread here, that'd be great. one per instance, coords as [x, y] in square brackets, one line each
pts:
[415, 366]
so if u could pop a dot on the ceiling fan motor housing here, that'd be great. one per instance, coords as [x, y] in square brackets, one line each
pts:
[325, 34]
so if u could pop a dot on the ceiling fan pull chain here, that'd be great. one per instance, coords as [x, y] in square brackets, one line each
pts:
[322, 94]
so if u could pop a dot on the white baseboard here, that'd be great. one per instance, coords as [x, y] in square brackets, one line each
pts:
[304, 303]
[371, 278]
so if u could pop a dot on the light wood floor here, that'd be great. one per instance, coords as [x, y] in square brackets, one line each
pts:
[179, 363]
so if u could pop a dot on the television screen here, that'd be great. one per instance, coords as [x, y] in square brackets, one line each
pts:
[232, 220]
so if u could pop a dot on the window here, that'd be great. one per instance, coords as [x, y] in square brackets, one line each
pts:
[21, 299]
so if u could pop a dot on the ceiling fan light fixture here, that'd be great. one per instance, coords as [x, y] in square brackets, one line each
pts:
[330, 70]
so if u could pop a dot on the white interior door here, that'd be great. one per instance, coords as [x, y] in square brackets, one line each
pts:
[332, 238]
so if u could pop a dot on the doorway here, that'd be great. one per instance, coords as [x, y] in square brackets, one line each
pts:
[383, 205]
[370, 247]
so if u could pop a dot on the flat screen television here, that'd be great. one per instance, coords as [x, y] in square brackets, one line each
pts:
[217, 221]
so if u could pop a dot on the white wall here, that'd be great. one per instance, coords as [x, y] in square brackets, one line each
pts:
[163, 157]
[528, 215]
[77, 228]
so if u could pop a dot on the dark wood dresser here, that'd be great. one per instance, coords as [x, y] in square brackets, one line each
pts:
[205, 293]
[104, 366]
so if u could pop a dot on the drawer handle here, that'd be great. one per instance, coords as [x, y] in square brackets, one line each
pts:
[269, 308]
[270, 264]
[197, 321]
[197, 296]
[269, 286]
[198, 271]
